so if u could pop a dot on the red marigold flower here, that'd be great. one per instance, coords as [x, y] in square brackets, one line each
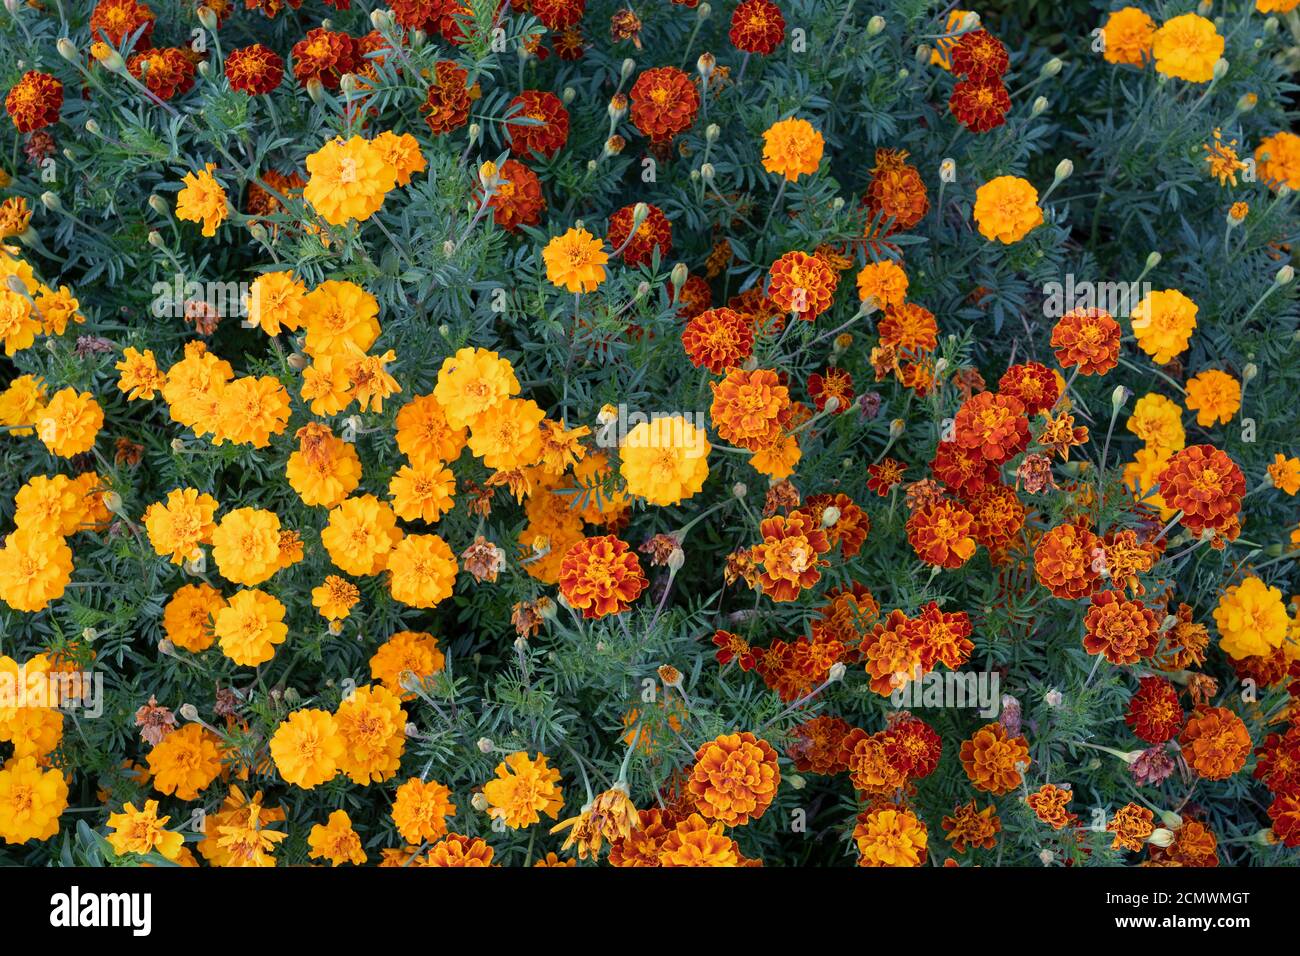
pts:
[1088, 338]
[912, 746]
[998, 516]
[896, 191]
[255, 70]
[943, 637]
[892, 654]
[939, 533]
[1124, 632]
[1277, 761]
[994, 424]
[790, 554]
[964, 470]
[849, 529]
[733, 647]
[569, 44]
[1065, 561]
[836, 383]
[446, 104]
[35, 101]
[1034, 384]
[549, 129]
[848, 613]
[794, 668]
[883, 476]
[654, 233]
[994, 760]
[115, 20]
[558, 14]
[165, 72]
[1215, 742]
[980, 105]
[1207, 486]
[802, 284]
[418, 14]
[664, 102]
[601, 575]
[910, 327]
[695, 297]
[757, 27]
[1154, 712]
[718, 339]
[1284, 812]
[324, 55]
[816, 745]
[980, 55]
[517, 199]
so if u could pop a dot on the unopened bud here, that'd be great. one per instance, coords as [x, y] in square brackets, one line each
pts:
[678, 275]
[706, 64]
[1118, 397]
[628, 67]
[1220, 68]
[875, 26]
[480, 802]
[1161, 837]
[1170, 819]
[836, 673]
[568, 95]
[971, 21]
[740, 489]
[1064, 170]
[1051, 68]
[156, 240]
[381, 20]
[896, 427]
[1039, 107]
[68, 50]
[830, 516]
[676, 558]
[189, 712]
[485, 745]
[1284, 275]
[1248, 372]
[1153, 260]
[51, 201]
[316, 91]
[159, 205]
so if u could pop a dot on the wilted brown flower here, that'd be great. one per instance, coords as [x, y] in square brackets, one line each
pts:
[483, 559]
[1035, 473]
[660, 548]
[527, 616]
[782, 496]
[155, 722]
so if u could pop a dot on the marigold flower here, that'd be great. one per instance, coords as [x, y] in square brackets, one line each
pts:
[250, 627]
[348, 180]
[448, 101]
[19, 324]
[524, 789]
[250, 410]
[610, 816]
[324, 55]
[1215, 742]
[306, 748]
[757, 26]
[664, 102]
[750, 409]
[1163, 324]
[140, 378]
[896, 191]
[1034, 384]
[791, 147]
[1154, 712]
[734, 778]
[718, 339]
[69, 424]
[335, 597]
[188, 616]
[35, 569]
[970, 826]
[978, 54]
[143, 831]
[849, 530]
[816, 745]
[1128, 33]
[31, 801]
[883, 283]
[655, 234]
[1131, 825]
[402, 153]
[115, 20]
[246, 545]
[890, 836]
[420, 810]
[993, 424]
[1124, 632]
[458, 850]
[994, 760]
[695, 842]
[516, 198]
[255, 70]
[1207, 486]
[335, 841]
[802, 284]
[940, 534]
[665, 460]
[549, 127]
[166, 72]
[35, 101]
[372, 726]
[893, 655]
[1215, 397]
[1251, 618]
[360, 535]
[406, 655]
[325, 469]
[1065, 561]
[980, 104]
[1187, 47]
[1049, 802]
[185, 762]
[1277, 160]
[179, 525]
[422, 570]
[600, 576]
[997, 516]
[1158, 421]
[885, 475]
[1006, 209]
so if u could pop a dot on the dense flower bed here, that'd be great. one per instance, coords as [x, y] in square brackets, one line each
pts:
[568, 432]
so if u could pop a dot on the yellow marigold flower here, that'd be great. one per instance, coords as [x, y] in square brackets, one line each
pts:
[360, 535]
[249, 627]
[51, 505]
[348, 180]
[420, 810]
[194, 382]
[778, 459]
[140, 376]
[562, 447]
[471, 382]
[1128, 33]
[143, 831]
[1006, 209]
[791, 148]
[275, 302]
[1163, 324]
[340, 318]
[407, 655]
[372, 725]
[523, 789]
[890, 836]
[424, 435]
[179, 525]
[1215, 397]
[336, 841]
[325, 469]
[35, 569]
[57, 309]
[1222, 159]
[326, 385]
[18, 322]
[335, 597]
[575, 261]
[1277, 160]
[1276, 6]
[370, 382]
[251, 410]
[202, 200]
[246, 545]
[244, 841]
[1251, 618]
[1284, 472]
[31, 801]
[884, 283]
[461, 851]
[187, 618]
[69, 424]
[402, 153]
[21, 404]
[422, 493]
[185, 762]
[665, 460]
[422, 570]
[696, 842]
[610, 816]
[1187, 47]
[306, 748]
[1158, 421]
[15, 213]
[508, 436]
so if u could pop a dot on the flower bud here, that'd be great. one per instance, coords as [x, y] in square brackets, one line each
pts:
[1270, 26]
[1284, 275]
[1053, 698]
[1220, 68]
[51, 201]
[679, 273]
[1246, 102]
[875, 26]
[479, 802]
[896, 427]
[642, 289]
[474, 131]
[923, 54]
[568, 95]
[1153, 260]
[297, 361]
[189, 712]
[1064, 170]
[796, 780]
[707, 172]
[68, 50]
[740, 489]
[1118, 397]
[706, 65]
[1039, 107]
[626, 70]
[485, 745]
[316, 91]
[157, 203]
[836, 673]
[1248, 372]
[971, 21]
[1161, 837]
[1051, 68]
[156, 239]
[166, 647]
[703, 11]
[1170, 819]
[617, 108]
[830, 516]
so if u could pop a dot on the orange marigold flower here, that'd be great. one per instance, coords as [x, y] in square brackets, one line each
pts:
[734, 778]
[1006, 209]
[1215, 742]
[790, 554]
[447, 103]
[165, 72]
[939, 533]
[1124, 632]
[971, 827]
[550, 127]
[994, 760]
[185, 761]
[998, 515]
[750, 409]
[1087, 338]
[1207, 486]
[664, 102]
[35, 101]
[892, 652]
[890, 836]
[1065, 561]
[942, 636]
[757, 27]
[896, 191]
[655, 233]
[718, 339]
[420, 810]
[1049, 802]
[325, 55]
[115, 20]
[695, 842]
[995, 424]
[1127, 33]
[601, 575]
[1163, 323]
[254, 69]
[791, 147]
[909, 327]
[883, 282]
[816, 745]
[1034, 384]
[802, 284]
[1154, 712]
[1131, 825]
